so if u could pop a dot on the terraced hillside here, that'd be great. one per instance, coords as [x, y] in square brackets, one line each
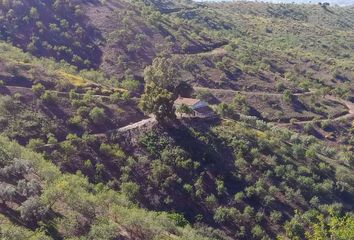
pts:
[83, 157]
[241, 179]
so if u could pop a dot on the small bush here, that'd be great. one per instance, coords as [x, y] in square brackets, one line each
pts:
[49, 97]
[97, 115]
[35, 143]
[131, 85]
[38, 89]
[130, 190]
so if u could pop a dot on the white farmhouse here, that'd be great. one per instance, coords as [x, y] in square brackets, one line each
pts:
[199, 107]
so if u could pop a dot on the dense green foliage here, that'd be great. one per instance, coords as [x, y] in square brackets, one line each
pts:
[239, 175]
[158, 101]
[35, 194]
[53, 28]
[104, 171]
[332, 228]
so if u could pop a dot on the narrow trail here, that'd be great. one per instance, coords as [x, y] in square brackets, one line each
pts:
[349, 115]
[215, 51]
[122, 129]
[218, 90]
[28, 89]
[136, 125]
[60, 93]
[152, 120]
[348, 104]
[176, 10]
[103, 135]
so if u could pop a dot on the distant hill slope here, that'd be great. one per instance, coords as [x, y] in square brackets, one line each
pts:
[138, 32]
[331, 17]
[107, 171]
[122, 37]
[334, 2]
[117, 35]
[56, 29]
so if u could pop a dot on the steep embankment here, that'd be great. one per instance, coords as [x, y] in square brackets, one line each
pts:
[121, 37]
[39, 202]
[229, 179]
[244, 178]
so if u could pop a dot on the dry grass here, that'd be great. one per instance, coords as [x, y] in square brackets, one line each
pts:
[77, 81]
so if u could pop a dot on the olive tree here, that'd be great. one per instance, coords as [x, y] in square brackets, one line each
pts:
[158, 101]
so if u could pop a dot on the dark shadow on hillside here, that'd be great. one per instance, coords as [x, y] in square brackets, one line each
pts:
[14, 216]
[4, 91]
[54, 111]
[256, 113]
[18, 81]
[214, 157]
[298, 105]
[234, 75]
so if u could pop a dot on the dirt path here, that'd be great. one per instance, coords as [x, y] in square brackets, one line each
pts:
[28, 89]
[136, 125]
[122, 129]
[151, 120]
[217, 90]
[103, 135]
[349, 115]
[215, 50]
[348, 104]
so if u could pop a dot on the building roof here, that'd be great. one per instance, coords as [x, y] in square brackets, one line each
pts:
[205, 112]
[187, 101]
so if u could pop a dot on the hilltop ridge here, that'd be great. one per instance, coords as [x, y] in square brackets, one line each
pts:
[91, 147]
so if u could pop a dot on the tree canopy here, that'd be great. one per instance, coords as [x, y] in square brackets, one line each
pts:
[158, 101]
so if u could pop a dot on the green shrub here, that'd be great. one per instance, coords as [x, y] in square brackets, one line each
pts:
[68, 148]
[115, 97]
[76, 121]
[34, 144]
[112, 151]
[130, 85]
[38, 89]
[32, 210]
[130, 190]
[288, 96]
[257, 232]
[88, 164]
[178, 219]
[49, 97]
[239, 197]
[275, 216]
[211, 201]
[52, 139]
[224, 214]
[97, 115]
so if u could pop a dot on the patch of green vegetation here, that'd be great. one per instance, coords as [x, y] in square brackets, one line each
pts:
[68, 206]
[241, 172]
[192, 179]
[58, 29]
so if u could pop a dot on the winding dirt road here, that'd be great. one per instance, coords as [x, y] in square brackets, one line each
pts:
[349, 115]
[136, 125]
[28, 89]
[348, 104]
[218, 90]
[152, 120]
